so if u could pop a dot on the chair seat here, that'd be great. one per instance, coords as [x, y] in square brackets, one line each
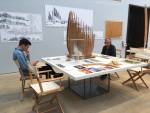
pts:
[47, 86]
[138, 69]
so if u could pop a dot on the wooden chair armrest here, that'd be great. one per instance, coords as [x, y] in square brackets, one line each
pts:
[52, 79]
[45, 71]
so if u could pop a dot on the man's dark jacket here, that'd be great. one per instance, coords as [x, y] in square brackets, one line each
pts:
[111, 50]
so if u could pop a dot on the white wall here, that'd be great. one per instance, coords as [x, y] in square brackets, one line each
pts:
[137, 2]
[53, 43]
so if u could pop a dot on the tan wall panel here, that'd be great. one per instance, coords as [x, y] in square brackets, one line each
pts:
[113, 29]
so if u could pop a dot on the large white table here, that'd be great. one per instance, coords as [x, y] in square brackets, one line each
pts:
[74, 73]
[69, 66]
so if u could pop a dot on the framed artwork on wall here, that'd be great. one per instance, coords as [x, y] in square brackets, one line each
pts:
[113, 29]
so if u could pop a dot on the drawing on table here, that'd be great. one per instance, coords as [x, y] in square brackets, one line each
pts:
[60, 65]
[79, 67]
[88, 61]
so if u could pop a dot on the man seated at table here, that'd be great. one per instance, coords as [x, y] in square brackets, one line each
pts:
[21, 54]
[108, 49]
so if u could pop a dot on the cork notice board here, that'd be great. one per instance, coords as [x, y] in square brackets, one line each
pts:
[113, 29]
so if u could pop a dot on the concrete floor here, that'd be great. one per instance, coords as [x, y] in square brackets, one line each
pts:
[120, 99]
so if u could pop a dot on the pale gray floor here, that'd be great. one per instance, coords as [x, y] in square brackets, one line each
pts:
[121, 99]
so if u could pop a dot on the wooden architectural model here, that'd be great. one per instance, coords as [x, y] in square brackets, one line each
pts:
[80, 38]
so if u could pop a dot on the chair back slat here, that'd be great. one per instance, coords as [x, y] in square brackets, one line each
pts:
[19, 68]
[21, 73]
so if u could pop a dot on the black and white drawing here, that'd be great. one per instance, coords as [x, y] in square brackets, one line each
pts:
[57, 16]
[14, 26]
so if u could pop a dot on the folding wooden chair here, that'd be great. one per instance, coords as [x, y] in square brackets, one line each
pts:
[46, 87]
[24, 78]
[137, 74]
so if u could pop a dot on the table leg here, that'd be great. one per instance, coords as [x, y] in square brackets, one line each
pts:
[69, 82]
[108, 77]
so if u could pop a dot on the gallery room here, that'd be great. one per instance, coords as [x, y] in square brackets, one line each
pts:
[82, 56]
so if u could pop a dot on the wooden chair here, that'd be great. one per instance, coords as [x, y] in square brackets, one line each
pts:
[46, 87]
[137, 74]
[24, 78]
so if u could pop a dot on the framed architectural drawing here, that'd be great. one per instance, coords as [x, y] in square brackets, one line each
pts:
[57, 16]
[14, 26]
